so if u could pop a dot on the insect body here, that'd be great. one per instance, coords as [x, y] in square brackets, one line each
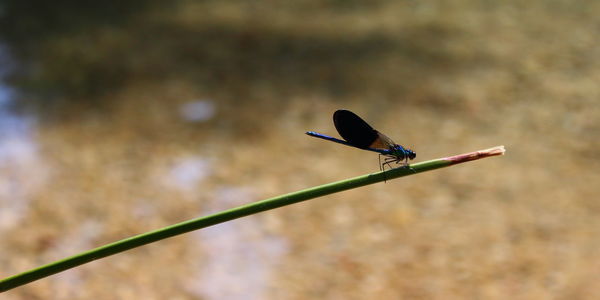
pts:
[357, 133]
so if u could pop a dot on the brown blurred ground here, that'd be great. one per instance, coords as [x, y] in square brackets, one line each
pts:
[439, 78]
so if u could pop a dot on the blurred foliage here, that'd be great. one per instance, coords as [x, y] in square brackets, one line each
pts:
[28, 22]
[85, 50]
[62, 47]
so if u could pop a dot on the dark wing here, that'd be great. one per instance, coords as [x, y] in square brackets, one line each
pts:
[354, 129]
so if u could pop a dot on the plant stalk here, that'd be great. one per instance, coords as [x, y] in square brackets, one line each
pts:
[238, 212]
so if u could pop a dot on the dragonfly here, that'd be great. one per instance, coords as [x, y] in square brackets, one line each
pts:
[359, 134]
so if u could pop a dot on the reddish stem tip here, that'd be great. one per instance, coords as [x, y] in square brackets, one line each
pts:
[498, 150]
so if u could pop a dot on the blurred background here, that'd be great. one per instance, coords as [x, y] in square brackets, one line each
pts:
[120, 117]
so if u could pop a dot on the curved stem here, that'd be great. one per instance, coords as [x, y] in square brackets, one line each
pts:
[238, 212]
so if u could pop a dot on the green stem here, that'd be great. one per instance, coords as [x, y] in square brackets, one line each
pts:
[234, 213]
